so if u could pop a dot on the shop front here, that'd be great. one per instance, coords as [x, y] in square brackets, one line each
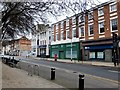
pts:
[66, 51]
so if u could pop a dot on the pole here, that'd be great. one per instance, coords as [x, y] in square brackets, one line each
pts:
[81, 82]
[52, 73]
[71, 49]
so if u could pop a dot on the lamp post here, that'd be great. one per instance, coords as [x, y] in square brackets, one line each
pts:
[71, 48]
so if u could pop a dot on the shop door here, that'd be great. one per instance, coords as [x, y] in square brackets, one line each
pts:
[61, 54]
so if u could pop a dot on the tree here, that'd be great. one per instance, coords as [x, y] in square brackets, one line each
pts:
[19, 17]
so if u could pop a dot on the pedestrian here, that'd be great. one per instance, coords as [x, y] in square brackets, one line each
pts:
[55, 57]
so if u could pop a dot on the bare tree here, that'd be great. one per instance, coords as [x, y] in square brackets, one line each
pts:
[19, 17]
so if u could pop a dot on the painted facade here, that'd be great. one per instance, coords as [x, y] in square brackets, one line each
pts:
[91, 29]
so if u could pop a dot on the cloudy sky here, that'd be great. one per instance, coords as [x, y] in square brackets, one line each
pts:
[59, 18]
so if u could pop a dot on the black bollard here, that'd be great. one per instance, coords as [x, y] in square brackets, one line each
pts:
[52, 73]
[81, 82]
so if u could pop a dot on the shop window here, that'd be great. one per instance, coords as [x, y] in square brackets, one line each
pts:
[100, 55]
[114, 24]
[92, 55]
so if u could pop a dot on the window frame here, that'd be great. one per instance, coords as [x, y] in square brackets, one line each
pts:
[99, 14]
[80, 35]
[111, 24]
[90, 30]
[111, 7]
[100, 28]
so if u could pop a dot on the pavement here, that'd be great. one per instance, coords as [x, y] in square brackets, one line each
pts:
[94, 63]
[17, 78]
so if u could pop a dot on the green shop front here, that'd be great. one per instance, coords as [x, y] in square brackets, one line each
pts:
[63, 51]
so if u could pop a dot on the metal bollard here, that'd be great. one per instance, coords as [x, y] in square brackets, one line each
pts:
[52, 73]
[81, 82]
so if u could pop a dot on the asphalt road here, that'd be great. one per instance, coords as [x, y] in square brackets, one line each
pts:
[67, 74]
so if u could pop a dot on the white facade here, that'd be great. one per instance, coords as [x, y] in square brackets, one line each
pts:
[34, 45]
[43, 41]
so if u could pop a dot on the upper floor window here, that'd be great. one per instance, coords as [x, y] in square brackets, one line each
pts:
[52, 38]
[62, 24]
[81, 18]
[52, 28]
[114, 24]
[56, 36]
[74, 20]
[101, 27]
[101, 12]
[91, 30]
[113, 7]
[67, 34]
[82, 32]
[74, 33]
[67, 22]
[90, 16]
[57, 27]
[62, 35]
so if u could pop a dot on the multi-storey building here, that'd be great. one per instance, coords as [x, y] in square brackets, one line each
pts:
[87, 35]
[19, 47]
[43, 40]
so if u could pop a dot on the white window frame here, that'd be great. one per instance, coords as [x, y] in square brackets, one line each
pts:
[83, 16]
[89, 29]
[62, 24]
[74, 20]
[111, 7]
[74, 32]
[67, 32]
[99, 26]
[56, 36]
[62, 35]
[80, 31]
[99, 14]
[67, 22]
[111, 24]
[90, 15]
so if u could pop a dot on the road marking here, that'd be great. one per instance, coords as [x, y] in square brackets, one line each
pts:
[113, 71]
[70, 71]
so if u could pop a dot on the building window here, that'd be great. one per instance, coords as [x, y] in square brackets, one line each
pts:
[62, 35]
[62, 24]
[81, 18]
[52, 37]
[67, 22]
[101, 27]
[114, 24]
[82, 32]
[90, 16]
[101, 12]
[67, 34]
[74, 20]
[56, 36]
[91, 31]
[56, 27]
[74, 33]
[113, 7]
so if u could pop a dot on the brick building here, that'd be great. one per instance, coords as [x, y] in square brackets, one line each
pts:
[20, 47]
[87, 35]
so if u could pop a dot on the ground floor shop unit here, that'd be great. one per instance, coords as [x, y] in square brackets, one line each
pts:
[42, 51]
[66, 51]
[100, 50]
